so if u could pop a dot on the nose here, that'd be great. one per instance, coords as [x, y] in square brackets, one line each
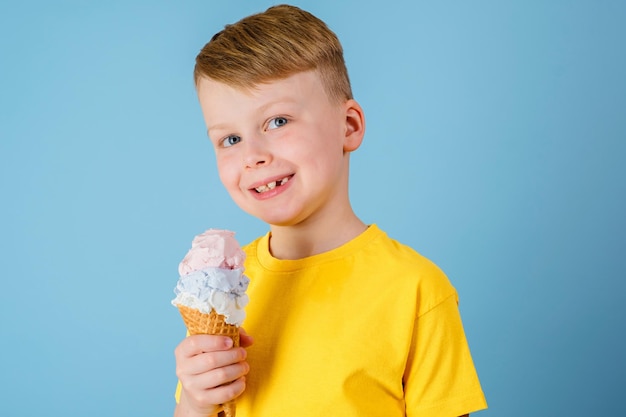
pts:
[257, 153]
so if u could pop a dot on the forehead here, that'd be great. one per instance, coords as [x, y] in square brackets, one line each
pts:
[302, 86]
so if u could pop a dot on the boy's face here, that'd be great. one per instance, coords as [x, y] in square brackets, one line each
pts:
[282, 148]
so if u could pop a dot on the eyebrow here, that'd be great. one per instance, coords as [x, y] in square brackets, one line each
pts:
[216, 127]
[280, 100]
[261, 109]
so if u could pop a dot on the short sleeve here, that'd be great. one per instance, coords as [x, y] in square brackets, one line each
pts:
[440, 378]
[179, 388]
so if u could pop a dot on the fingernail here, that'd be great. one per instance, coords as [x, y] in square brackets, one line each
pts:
[229, 342]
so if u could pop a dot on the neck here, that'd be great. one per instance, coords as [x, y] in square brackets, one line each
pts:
[312, 238]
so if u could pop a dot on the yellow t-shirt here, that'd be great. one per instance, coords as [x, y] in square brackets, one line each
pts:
[371, 328]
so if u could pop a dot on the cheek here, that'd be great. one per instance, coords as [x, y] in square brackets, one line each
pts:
[226, 172]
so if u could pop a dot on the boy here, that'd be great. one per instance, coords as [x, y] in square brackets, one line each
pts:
[346, 321]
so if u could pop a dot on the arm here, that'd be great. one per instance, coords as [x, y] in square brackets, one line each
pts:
[211, 372]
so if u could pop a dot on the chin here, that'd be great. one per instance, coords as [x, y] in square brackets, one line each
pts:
[278, 219]
[279, 216]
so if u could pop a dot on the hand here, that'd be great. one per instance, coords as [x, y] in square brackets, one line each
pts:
[211, 372]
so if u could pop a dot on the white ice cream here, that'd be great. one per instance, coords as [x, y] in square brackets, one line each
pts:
[214, 288]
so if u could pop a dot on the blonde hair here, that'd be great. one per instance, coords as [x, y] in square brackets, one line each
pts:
[280, 42]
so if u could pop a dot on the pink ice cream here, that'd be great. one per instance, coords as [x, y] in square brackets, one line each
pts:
[213, 248]
[211, 276]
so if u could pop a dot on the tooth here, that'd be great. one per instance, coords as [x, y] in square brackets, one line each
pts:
[284, 180]
[271, 185]
[261, 189]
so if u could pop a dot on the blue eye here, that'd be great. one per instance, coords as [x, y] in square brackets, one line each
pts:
[231, 140]
[277, 122]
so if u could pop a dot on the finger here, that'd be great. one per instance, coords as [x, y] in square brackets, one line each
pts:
[206, 362]
[221, 394]
[202, 343]
[231, 391]
[218, 378]
[200, 386]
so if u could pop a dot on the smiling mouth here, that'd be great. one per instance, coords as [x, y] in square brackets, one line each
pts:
[271, 185]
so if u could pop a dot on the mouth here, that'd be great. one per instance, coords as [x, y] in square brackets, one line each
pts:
[271, 185]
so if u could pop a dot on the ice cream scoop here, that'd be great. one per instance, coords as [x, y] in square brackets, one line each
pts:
[213, 248]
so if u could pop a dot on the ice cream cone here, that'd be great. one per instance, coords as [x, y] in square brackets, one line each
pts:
[198, 322]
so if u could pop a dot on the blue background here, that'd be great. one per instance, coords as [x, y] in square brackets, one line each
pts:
[495, 145]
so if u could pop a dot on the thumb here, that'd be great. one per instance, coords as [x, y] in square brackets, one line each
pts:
[245, 339]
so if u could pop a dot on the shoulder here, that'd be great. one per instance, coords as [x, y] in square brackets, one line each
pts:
[402, 259]
[404, 268]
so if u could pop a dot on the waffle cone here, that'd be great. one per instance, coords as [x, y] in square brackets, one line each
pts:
[198, 322]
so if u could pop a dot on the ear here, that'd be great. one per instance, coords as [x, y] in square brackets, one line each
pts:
[355, 126]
